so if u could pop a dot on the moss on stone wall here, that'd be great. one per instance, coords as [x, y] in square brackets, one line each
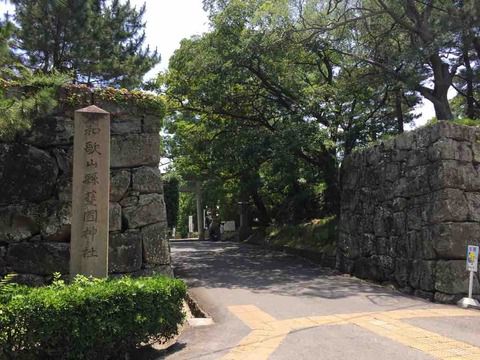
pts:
[42, 95]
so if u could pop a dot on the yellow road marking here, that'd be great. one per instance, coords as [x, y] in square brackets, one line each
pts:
[268, 333]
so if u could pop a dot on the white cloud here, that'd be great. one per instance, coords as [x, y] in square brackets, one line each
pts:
[426, 110]
[170, 21]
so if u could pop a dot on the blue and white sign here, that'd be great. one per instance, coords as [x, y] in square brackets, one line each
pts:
[472, 258]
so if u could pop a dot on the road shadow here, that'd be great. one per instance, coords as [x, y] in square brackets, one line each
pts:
[241, 266]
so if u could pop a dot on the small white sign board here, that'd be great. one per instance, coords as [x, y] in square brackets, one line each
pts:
[190, 223]
[229, 226]
[472, 258]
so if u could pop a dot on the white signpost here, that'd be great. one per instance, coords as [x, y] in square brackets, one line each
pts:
[190, 224]
[472, 267]
[229, 226]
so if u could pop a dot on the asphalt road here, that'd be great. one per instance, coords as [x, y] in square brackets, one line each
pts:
[270, 305]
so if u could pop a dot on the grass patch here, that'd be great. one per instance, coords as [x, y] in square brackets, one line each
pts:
[318, 235]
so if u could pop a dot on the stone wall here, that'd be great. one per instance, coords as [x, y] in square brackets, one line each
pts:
[35, 201]
[409, 207]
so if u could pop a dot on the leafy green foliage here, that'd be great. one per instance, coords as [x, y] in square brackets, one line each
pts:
[187, 207]
[88, 319]
[96, 41]
[23, 93]
[171, 194]
[24, 98]
[262, 109]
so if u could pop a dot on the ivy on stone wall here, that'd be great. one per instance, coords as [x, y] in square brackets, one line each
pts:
[75, 96]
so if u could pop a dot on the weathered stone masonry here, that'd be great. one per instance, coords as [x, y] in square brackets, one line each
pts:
[409, 207]
[35, 200]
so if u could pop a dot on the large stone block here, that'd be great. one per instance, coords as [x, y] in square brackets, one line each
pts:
[115, 217]
[64, 189]
[386, 245]
[147, 180]
[349, 245]
[343, 263]
[16, 224]
[451, 277]
[449, 149]
[26, 174]
[39, 258]
[149, 210]
[367, 245]
[51, 219]
[476, 149]
[446, 298]
[402, 271]
[448, 205]
[414, 245]
[164, 270]
[135, 150]
[417, 158]
[405, 141]
[156, 246]
[422, 137]
[152, 124]
[392, 171]
[382, 222]
[64, 157]
[377, 268]
[129, 201]
[125, 252]
[55, 219]
[385, 267]
[473, 202]
[422, 275]
[417, 181]
[119, 183]
[399, 223]
[446, 129]
[452, 174]
[50, 131]
[125, 124]
[450, 240]
[414, 219]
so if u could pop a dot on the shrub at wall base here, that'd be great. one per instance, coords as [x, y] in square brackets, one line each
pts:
[89, 319]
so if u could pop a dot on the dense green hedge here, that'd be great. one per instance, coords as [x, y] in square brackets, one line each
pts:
[88, 319]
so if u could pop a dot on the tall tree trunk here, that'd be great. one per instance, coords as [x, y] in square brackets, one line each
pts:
[442, 80]
[476, 45]
[442, 108]
[470, 110]
[398, 110]
[332, 192]
[260, 205]
[327, 163]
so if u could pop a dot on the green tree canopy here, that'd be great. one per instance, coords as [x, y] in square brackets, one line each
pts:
[257, 101]
[98, 41]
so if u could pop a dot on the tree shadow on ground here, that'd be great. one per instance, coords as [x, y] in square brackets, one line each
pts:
[242, 266]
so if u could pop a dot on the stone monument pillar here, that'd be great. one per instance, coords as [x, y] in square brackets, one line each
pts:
[90, 193]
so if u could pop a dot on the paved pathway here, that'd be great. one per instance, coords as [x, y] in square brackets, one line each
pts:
[275, 306]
